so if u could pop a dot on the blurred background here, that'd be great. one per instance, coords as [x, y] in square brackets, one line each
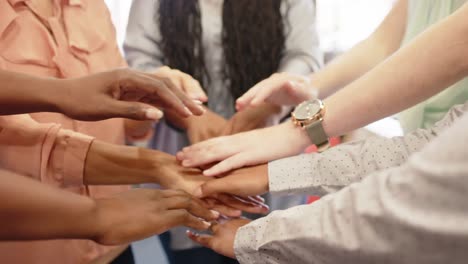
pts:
[341, 23]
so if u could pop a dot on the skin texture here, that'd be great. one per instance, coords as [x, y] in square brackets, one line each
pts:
[109, 164]
[38, 211]
[222, 238]
[372, 96]
[242, 182]
[117, 93]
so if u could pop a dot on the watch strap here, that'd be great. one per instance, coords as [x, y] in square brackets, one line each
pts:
[316, 133]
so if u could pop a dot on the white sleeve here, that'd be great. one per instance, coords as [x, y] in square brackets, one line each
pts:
[302, 50]
[318, 174]
[141, 41]
[415, 213]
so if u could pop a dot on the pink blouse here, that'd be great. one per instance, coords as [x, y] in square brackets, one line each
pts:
[78, 40]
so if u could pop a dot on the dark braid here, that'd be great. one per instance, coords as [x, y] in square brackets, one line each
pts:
[253, 40]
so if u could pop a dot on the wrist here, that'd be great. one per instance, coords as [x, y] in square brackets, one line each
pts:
[52, 94]
[90, 224]
[300, 138]
[108, 164]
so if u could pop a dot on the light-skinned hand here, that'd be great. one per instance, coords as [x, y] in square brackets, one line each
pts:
[245, 149]
[282, 89]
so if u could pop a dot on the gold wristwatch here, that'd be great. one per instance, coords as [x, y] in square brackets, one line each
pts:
[309, 115]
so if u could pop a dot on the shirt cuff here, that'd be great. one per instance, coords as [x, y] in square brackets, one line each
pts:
[245, 245]
[289, 175]
[69, 157]
[303, 174]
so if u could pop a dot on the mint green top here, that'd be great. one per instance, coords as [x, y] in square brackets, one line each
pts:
[421, 15]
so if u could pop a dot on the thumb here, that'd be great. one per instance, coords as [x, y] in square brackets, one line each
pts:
[134, 110]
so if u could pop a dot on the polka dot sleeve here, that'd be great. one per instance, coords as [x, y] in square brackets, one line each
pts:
[329, 171]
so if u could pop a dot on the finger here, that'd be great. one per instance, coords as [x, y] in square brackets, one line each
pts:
[214, 227]
[240, 204]
[168, 95]
[258, 198]
[234, 162]
[181, 217]
[193, 107]
[262, 96]
[223, 209]
[206, 152]
[244, 101]
[134, 110]
[253, 201]
[192, 205]
[204, 240]
[193, 88]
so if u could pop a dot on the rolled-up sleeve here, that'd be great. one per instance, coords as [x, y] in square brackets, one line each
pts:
[43, 151]
[302, 50]
[329, 171]
[415, 213]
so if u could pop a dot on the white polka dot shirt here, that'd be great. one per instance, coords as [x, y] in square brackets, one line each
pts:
[406, 201]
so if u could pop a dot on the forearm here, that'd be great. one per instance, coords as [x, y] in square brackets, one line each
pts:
[407, 214]
[397, 84]
[365, 55]
[109, 164]
[37, 211]
[318, 174]
[348, 67]
[22, 93]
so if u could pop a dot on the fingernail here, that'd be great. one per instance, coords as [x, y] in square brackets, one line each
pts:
[153, 114]
[188, 111]
[207, 172]
[180, 156]
[186, 163]
[206, 224]
[216, 214]
[198, 192]
[198, 102]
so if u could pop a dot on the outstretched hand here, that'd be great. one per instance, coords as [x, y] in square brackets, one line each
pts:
[245, 149]
[174, 176]
[222, 239]
[282, 89]
[141, 213]
[124, 93]
[243, 182]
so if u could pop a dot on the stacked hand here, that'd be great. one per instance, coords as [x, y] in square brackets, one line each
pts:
[222, 239]
[191, 180]
[245, 149]
[123, 93]
[140, 213]
[280, 89]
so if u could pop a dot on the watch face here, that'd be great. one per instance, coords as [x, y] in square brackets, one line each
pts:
[307, 109]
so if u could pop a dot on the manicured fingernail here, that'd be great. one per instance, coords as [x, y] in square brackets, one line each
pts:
[198, 102]
[206, 224]
[215, 214]
[198, 192]
[154, 114]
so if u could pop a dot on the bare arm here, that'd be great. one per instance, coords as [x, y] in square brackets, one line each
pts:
[118, 93]
[354, 63]
[431, 62]
[38, 211]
